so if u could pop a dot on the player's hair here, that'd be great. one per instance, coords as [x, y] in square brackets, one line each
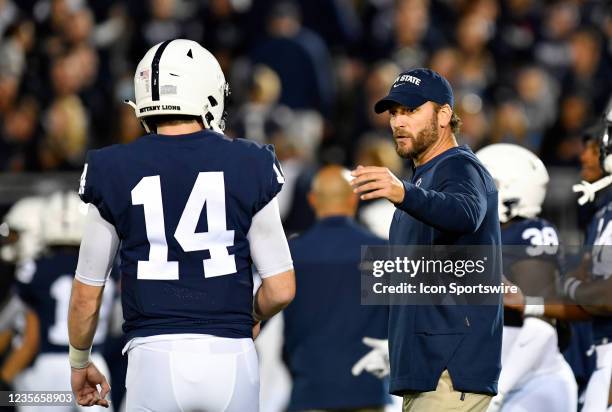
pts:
[455, 121]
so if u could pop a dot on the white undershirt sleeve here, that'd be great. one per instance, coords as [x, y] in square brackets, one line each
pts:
[268, 243]
[98, 249]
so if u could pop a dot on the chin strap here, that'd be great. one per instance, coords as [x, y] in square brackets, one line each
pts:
[209, 120]
[588, 190]
[133, 106]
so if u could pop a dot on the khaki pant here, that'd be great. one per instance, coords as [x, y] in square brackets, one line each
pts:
[445, 398]
[348, 410]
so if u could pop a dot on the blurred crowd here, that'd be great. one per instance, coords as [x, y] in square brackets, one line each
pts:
[305, 73]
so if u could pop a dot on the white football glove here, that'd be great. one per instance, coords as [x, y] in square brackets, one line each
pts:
[588, 190]
[496, 403]
[376, 361]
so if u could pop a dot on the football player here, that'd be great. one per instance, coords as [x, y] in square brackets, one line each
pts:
[45, 284]
[19, 334]
[10, 303]
[594, 292]
[589, 288]
[534, 374]
[189, 210]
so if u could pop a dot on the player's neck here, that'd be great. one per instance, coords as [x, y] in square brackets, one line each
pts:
[178, 129]
[334, 212]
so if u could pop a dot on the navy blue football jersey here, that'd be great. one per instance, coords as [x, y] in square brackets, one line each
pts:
[599, 237]
[182, 207]
[534, 239]
[525, 239]
[45, 286]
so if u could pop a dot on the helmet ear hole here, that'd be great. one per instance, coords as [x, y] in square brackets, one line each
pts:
[510, 205]
[209, 118]
[227, 92]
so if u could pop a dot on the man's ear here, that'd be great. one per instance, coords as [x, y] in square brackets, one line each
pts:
[444, 115]
[353, 202]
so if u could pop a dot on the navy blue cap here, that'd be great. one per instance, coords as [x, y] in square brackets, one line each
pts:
[415, 87]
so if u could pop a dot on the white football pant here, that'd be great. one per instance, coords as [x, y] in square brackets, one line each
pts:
[550, 392]
[534, 375]
[598, 388]
[207, 374]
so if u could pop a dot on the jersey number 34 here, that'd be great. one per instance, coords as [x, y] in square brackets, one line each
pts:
[209, 189]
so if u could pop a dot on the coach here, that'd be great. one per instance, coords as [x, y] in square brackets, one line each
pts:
[325, 322]
[442, 357]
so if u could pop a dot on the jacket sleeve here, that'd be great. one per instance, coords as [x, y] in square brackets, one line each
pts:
[458, 205]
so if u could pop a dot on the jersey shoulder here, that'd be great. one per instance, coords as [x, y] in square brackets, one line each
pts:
[599, 230]
[529, 239]
[52, 265]
[523, 231]
[105, 157]
[262, 164]
[99, 165]
[604, 212]
[353, 234]
[463, 164]
[366, 237]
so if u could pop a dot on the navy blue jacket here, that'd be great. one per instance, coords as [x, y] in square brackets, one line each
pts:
[182, 207]
[451, 200]
[325, 323]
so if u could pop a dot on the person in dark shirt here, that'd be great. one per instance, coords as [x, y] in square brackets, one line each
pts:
[441, 357]
[325, 322]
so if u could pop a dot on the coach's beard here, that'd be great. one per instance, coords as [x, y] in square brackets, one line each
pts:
[423, 140]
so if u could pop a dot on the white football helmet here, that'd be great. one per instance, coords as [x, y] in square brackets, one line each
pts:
[521, 179]
[180, 77]
[63, 219]
[24, 217]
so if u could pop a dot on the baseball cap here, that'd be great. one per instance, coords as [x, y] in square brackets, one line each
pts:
[415, 87]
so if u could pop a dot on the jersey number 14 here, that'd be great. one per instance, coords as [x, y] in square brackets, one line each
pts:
[209, 189]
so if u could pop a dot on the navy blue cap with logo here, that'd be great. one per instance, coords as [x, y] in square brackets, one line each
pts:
[415, 87]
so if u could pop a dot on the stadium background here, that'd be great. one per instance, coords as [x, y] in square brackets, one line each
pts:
[304, 75]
